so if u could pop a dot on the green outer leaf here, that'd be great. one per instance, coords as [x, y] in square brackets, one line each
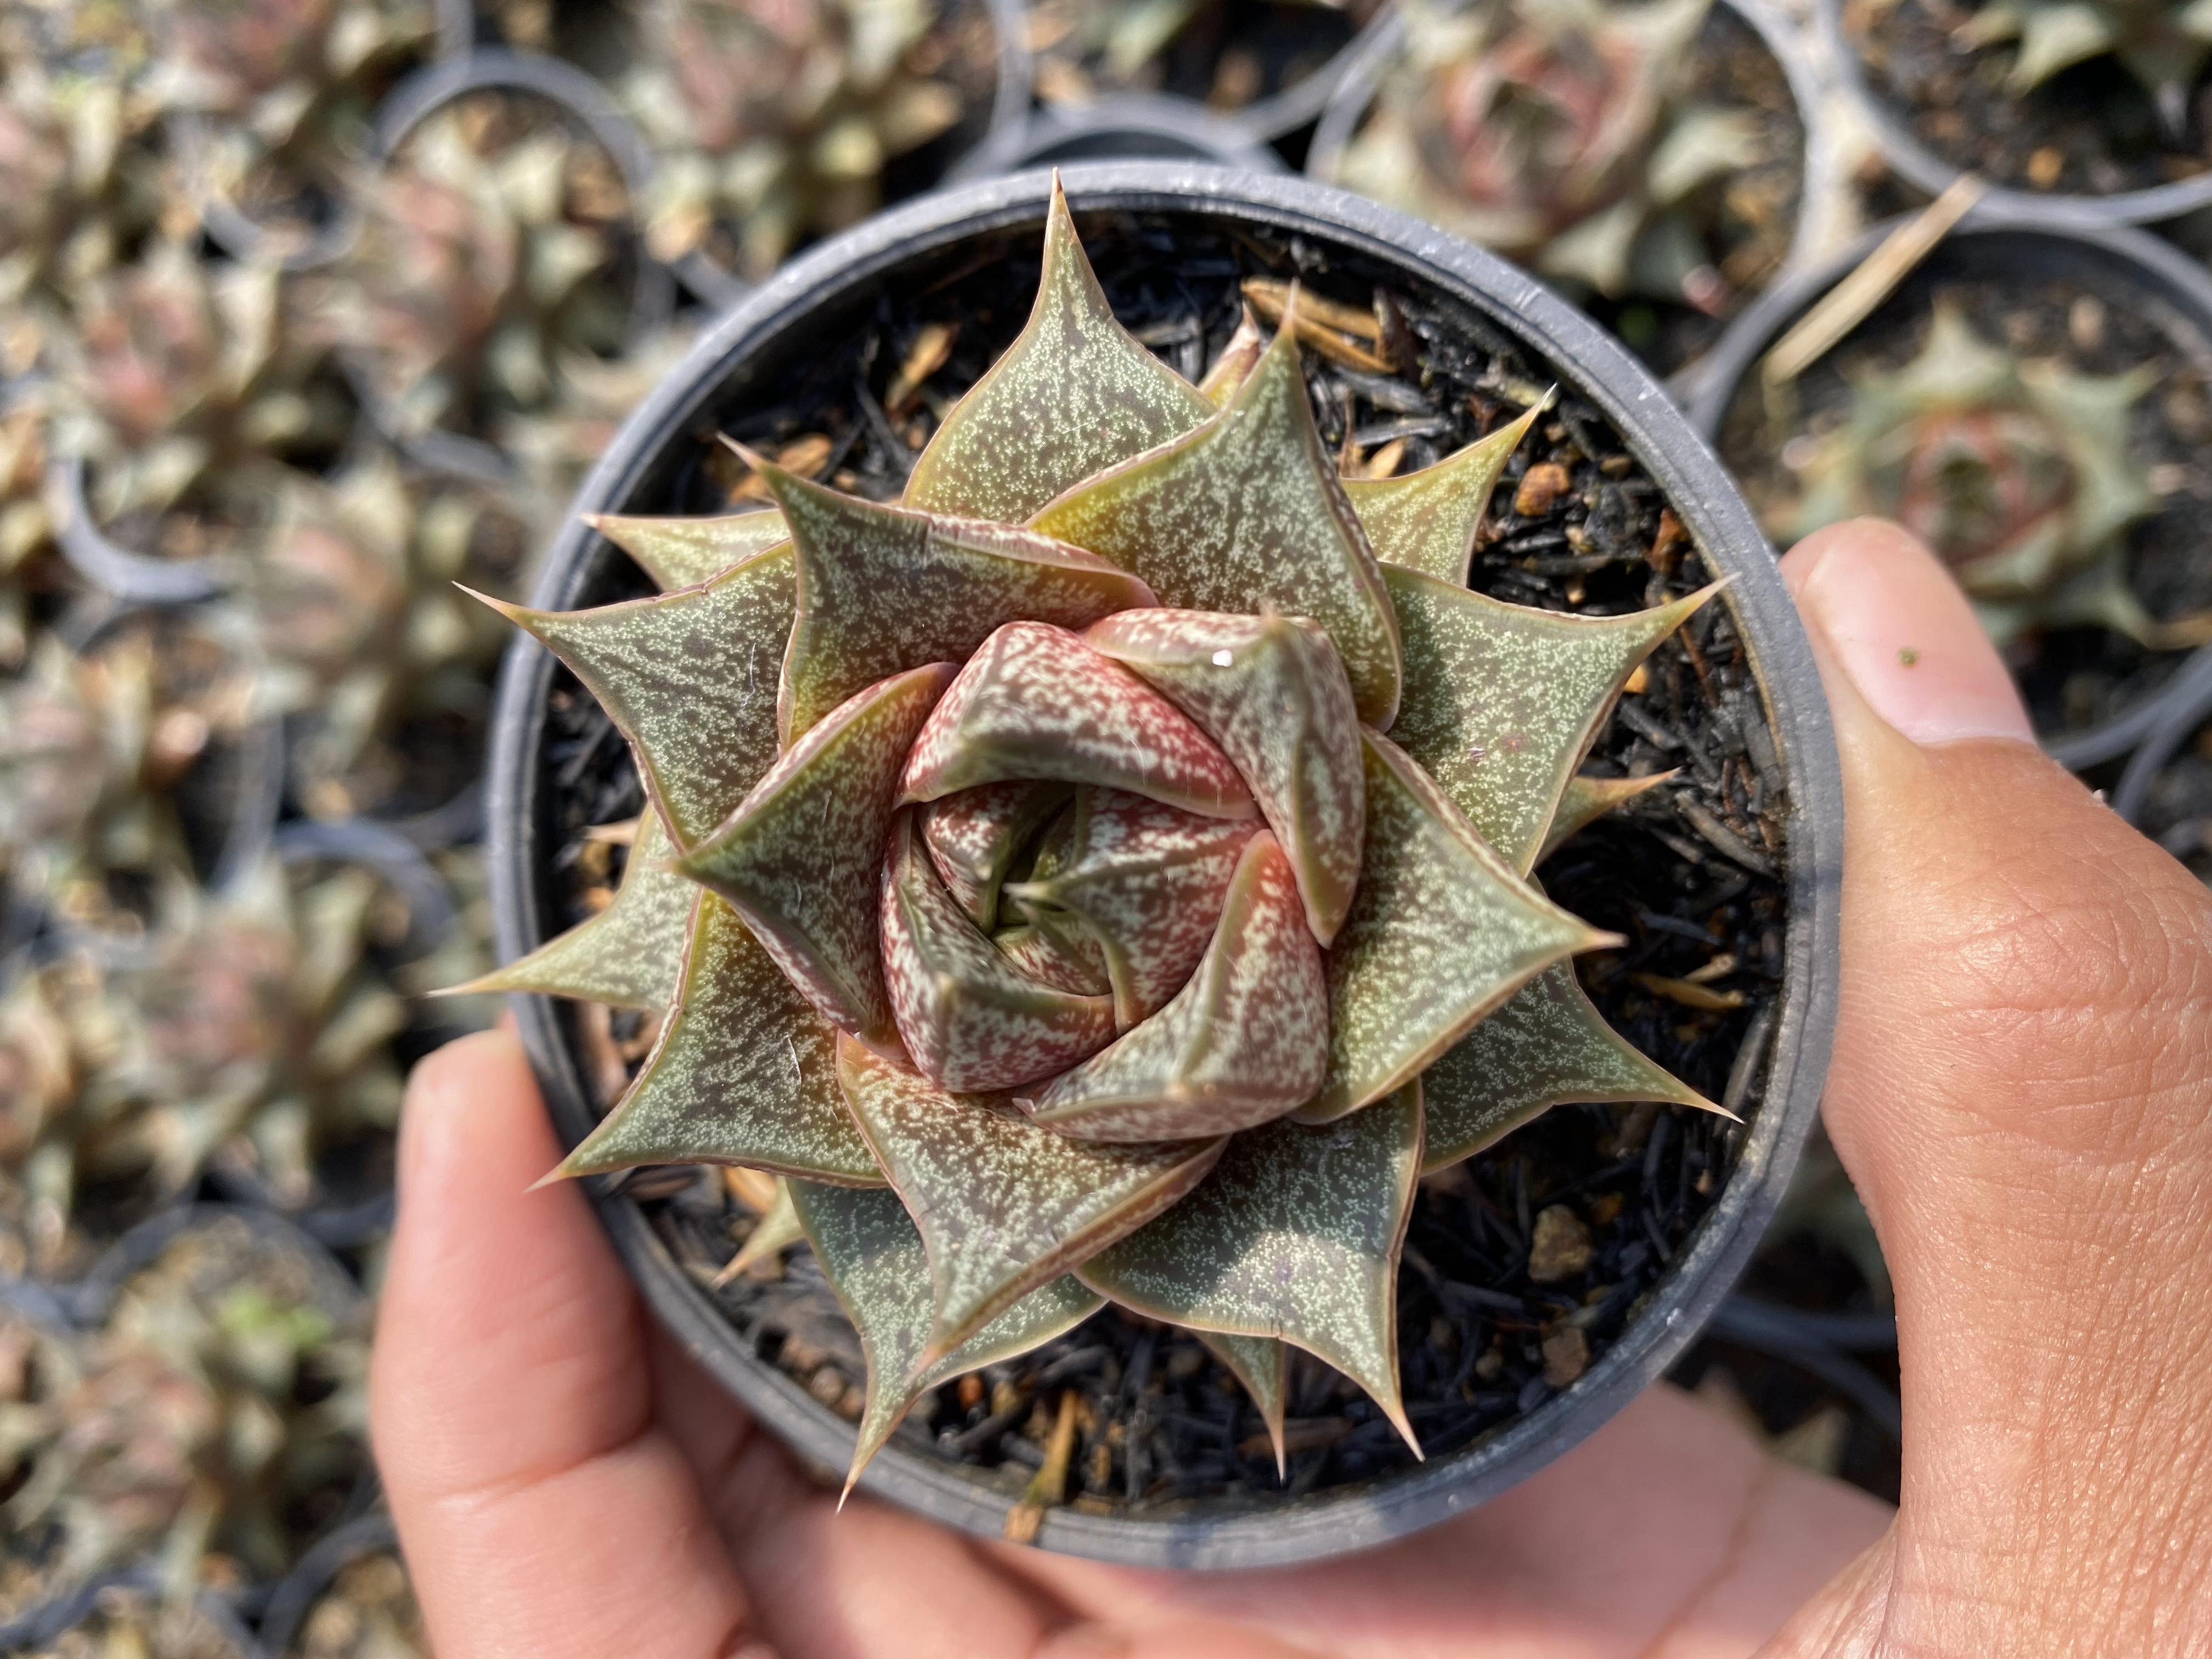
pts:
[1073, 396]
[1244, 1041]
[626, 955]
[1502, 700]
[689, 678]
[874, 1259]
[1442, 932]
[1262, 1365]
[685, 552]
[1272, 691]
[1297, 1235]
[1004, 1207]
[1036, 702]
[1426, 521]
[883, 589]
[973, 836]
[743, 1073]
[1245, 514]
[971, 1019]
[1544, 1046]
[799, 858]
[1586, 800]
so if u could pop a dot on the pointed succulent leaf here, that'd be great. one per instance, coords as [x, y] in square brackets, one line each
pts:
[1586, 800]
[1043, 951]
[1235, 363]
[1244, 1041]
[778, 1228]
[1272, 691]
[1442, 932]
[1073, 396]
[685, 552]
[1036, 702]
[800, 857]
[1503, 700]
[745, 1073]
[970, 1019]
[1545, 1046]
[689, 678]
[626, 955]
[1149, 880]
[883, 589]
[1262, 1365]
[1297, 1235]
[1245, 514]
[1426, 521]
[873, 1258]
[973, 838]
[1004, 1205]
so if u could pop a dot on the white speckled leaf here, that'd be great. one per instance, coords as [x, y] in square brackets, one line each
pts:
[1234, 362]
[1262, 1365]
[1426, 521]
[883, 589]
[778, 1228]
[1272, 691]
[1502, 700]
[1070, 397]
[689, 678]
[1544, 1046]
[802, 856]
[745, 1073]
[1053, 951]
[685, 552]
[1245, 514]
[1586, 800]
[970, 1019]
[1442, 932]
[1035, 701]
[974, 836]
[1297, 1235]
[1004, 1207]
[629, 954]
[874, 1261]
[1245, 1039]
[1149, 880]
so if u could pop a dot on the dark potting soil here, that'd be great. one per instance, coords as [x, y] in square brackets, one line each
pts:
[2073, 678]
[1692, 876]
[2092, 129]
[1230, 53]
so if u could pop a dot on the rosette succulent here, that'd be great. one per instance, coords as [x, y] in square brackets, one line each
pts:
[1029, 879]
[2017, 473]
[2162, 43]
[1562, 133]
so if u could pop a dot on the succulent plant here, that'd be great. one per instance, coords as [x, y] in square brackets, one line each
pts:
[772, 121]
[2015, 472]
[1561, 133]
[2162, 43]
[1028, 878]
[487, 249]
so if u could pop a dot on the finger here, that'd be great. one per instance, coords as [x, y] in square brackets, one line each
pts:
[2019, 1089]
[542, 1509]
[1669, 1534]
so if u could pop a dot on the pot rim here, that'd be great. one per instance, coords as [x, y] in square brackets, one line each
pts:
[1691, 479]
[1930, 173]
[2159, 266]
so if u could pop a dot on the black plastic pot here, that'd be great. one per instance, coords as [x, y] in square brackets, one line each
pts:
[297, 1593]
[1127, 127]
[1924, 169]
[2179, 716]
[836, 287]
[1824, 204]
[2164, 283]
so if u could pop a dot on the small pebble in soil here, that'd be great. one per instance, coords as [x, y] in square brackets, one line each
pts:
[1560, 1248]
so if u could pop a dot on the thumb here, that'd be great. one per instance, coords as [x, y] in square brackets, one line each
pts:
[2019, 1090]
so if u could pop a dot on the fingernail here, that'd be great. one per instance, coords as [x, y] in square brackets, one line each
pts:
[1898, 626]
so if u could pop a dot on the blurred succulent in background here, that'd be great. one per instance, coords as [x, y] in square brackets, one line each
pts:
[555, 447]
[1224, 51]
[2164, 44]
[59, 1037]
[774, 118]
[1562, 134]
[1062, 884]
[490, 249]
[2016, 472]
[224, 1391]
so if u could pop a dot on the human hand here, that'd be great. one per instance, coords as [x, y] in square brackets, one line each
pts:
[2022, 1069]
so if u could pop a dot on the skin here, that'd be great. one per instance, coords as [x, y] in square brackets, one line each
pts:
[2023, 1065]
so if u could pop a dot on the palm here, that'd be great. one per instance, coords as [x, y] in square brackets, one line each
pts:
[557, 1498]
